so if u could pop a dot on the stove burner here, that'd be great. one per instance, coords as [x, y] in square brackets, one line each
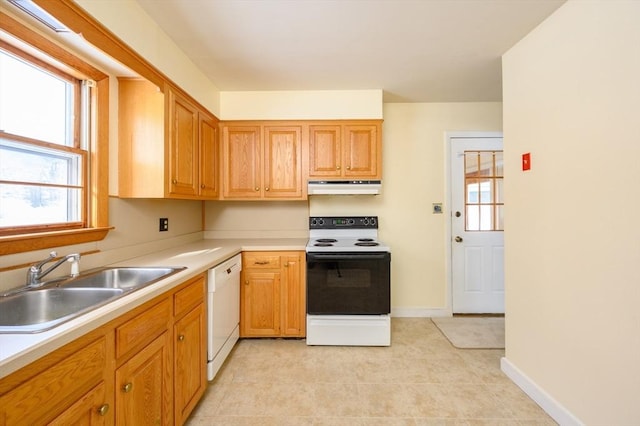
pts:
[367, 244]
[326, 240]
[323, 245]
[365, 240]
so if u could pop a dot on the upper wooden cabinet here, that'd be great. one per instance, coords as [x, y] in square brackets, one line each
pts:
[262, 161]
[345, 150]
[168, 146]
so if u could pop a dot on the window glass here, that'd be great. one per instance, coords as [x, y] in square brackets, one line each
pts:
[42, 168]
[35, 103]
[484, 191]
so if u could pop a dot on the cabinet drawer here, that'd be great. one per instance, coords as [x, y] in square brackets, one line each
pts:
[257, 260]
[51, 391]
[139, 331]
[189, 297]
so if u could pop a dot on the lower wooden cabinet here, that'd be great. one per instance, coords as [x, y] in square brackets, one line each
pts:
[272, 294]
[147, 367]
[142, 386]
[190, 354]
[90, 410]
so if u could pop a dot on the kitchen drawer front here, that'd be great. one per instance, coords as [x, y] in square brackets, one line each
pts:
[51, 391]
[258, 260]
[139, 331]
[190, 296]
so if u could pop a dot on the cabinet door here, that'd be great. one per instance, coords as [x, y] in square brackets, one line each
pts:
[209, 158]
[361, 151]
[293, 296]
[282, 162]
[143, 391]
[56, 387]
[241, 153]
[90, 410]
[325, 153]
[190, 362]
[183, 147]
[260, 303]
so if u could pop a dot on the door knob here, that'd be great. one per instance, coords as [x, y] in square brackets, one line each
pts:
[458, 214]
[458, 239]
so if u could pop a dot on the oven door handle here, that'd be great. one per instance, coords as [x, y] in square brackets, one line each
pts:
[349, 256]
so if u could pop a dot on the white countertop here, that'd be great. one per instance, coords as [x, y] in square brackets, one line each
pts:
[18, 350]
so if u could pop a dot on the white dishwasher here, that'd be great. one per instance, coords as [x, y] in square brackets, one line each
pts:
[223, 312]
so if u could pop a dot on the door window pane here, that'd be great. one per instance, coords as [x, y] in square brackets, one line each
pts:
[484, 191]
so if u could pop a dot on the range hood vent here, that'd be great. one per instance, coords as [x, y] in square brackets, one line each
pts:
[344, 187]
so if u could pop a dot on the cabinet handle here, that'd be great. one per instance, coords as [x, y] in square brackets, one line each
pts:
[181, 338]
[127, 388]
[261, 262]
[103, 410]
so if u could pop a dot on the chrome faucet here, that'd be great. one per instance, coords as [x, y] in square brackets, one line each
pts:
[35, 273]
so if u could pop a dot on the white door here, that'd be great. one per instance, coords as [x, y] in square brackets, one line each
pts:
[477, 225]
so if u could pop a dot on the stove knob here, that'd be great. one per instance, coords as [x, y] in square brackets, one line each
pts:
[373, 221]
[321, 222]
[365, 221]
[352, 222]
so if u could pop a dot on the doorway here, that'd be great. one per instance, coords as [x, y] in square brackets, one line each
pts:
[476, 225]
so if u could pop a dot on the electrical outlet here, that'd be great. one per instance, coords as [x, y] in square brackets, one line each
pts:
[164, 224]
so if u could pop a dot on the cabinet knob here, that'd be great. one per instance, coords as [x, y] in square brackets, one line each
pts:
[202, 186]
[257, 188]
[181, 338]
[127, 388]
[348, 167]
[103, 409]
[337, 167]
[246, 282]
[267, 188]
[174, 181]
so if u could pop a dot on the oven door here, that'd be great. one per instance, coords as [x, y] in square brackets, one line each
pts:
[353, 283]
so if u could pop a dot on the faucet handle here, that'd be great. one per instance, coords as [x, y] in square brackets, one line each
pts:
[39, 265]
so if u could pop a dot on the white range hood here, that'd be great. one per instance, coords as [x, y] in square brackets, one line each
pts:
[344, 187]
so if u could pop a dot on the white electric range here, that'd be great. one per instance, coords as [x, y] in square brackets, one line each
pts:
[348, 282]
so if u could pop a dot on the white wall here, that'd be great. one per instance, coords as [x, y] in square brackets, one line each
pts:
[572, 99]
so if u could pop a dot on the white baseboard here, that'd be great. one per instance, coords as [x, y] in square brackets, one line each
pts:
[558, 412]
[420, 312]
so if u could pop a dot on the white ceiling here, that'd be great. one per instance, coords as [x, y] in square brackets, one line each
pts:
[414, 50]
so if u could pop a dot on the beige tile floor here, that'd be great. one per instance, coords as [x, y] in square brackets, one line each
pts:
[421, 379]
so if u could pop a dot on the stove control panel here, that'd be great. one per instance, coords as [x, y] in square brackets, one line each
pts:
[344, 222]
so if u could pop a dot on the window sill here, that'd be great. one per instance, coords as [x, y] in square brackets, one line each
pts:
[28, 242]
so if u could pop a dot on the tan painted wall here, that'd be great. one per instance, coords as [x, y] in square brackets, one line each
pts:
[127, 20]
[414, 177]
[571, 98]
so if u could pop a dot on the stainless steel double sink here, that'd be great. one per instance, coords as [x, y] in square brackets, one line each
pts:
[33, 310]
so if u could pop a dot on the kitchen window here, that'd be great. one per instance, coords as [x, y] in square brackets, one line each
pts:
[42, 155]
[53, 143]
